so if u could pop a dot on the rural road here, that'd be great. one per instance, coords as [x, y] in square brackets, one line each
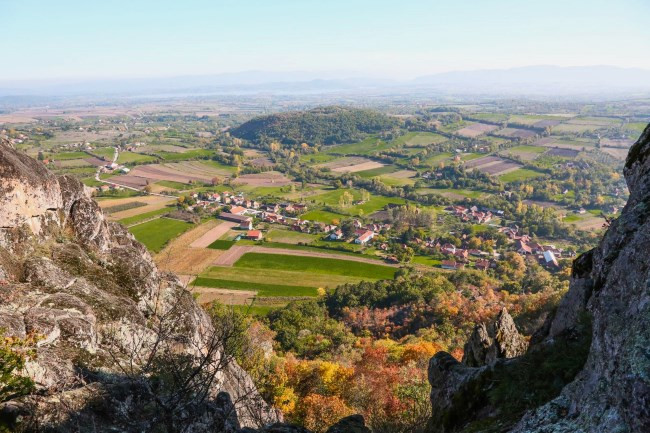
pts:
[229, 257]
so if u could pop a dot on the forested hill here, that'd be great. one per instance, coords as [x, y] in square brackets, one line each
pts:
[323, 125]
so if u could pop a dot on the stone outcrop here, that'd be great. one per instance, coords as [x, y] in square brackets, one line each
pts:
[95, 300]
[489, 343]
[100, 307]
[586, 369]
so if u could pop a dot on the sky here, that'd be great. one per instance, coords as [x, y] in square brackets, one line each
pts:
[401, 39]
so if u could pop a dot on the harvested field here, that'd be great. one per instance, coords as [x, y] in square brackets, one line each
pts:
[625, 143]
[207, 295]
[561, 152]
[544, 141]
[616, 152]
[182, 172]
[270, 178]
[95, 161]
[153, 203]
[516, 133]
[370, 165]
[476, 129]
[179, 257]
[262, 162]
[213, 234]
[402, 174]
[546, 123]
[351, 164]
[499, 168]
[482, 161]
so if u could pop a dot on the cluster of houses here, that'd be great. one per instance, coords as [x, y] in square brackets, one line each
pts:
[473, 214]
[461, 257]
[524, 245]
[242, 211]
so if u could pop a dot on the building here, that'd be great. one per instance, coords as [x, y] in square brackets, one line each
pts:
[550, 260]
[237, 210]
[451, 265]
[254, 235]
[482, 265]
[365, 237]
[336, 235]
[239, 219]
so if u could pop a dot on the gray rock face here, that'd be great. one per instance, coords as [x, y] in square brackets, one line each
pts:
[94, 297]
[612, 284]
[498, 340]
[610, 289]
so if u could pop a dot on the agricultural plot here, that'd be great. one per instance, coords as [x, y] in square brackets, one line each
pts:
[585, 124]
[323, 216]
[366, 147]
[526, 153]
[131, 157]
[454, 194]
[375, 203]
[419, 139]
[519, 175]
[492, 165]
[290, 236]
[315, 265]
[387, 169]
[182, 172]
[179, 257]
[476, 129]
[533, 120]
[155, 234]
[351, 164]
[562, 153]
[215, 233]
[516, 133]
[152, 203]
[266, 179]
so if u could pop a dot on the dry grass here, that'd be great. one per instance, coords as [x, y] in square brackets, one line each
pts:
[180, 258]
[153, 203]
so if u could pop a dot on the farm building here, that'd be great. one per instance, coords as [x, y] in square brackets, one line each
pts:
[364, 238]
[243, 221]
[451, 265]
[254, 235]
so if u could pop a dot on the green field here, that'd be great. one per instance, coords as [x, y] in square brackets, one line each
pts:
[463, 192]
[366, 147]
[64, 156]
[173, 185]
[571, 218]
[317, 265]
[520, 174]
[528, 149]
[127, 157]
[106, 152]
[376, 202]
[183, 156]
[144, 216]
[280, 277]
[155, 234]
[221, 245]
[289, 236]
[322, 216]
[262, 289]
[376, 171]
[415, 139]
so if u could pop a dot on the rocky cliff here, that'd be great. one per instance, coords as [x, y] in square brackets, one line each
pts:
[588, 368]
[117, 344]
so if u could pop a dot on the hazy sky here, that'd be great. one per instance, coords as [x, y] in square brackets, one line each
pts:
[398, 39]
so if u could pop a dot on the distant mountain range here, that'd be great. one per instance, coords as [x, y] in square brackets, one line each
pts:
[531, 80]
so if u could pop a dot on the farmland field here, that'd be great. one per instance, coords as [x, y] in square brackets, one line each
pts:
[316, 265]
[419, 139]
[520, 174]
[322, 216]
[476, 129]
[351, 164]
[262, 289]
[155, 234]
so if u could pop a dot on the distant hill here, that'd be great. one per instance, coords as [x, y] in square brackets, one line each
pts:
[323, 125]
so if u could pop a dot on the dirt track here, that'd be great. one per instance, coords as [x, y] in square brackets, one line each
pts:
[234, 253]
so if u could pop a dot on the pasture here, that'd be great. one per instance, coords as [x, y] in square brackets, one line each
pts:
[520, 175]
[157, 233]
